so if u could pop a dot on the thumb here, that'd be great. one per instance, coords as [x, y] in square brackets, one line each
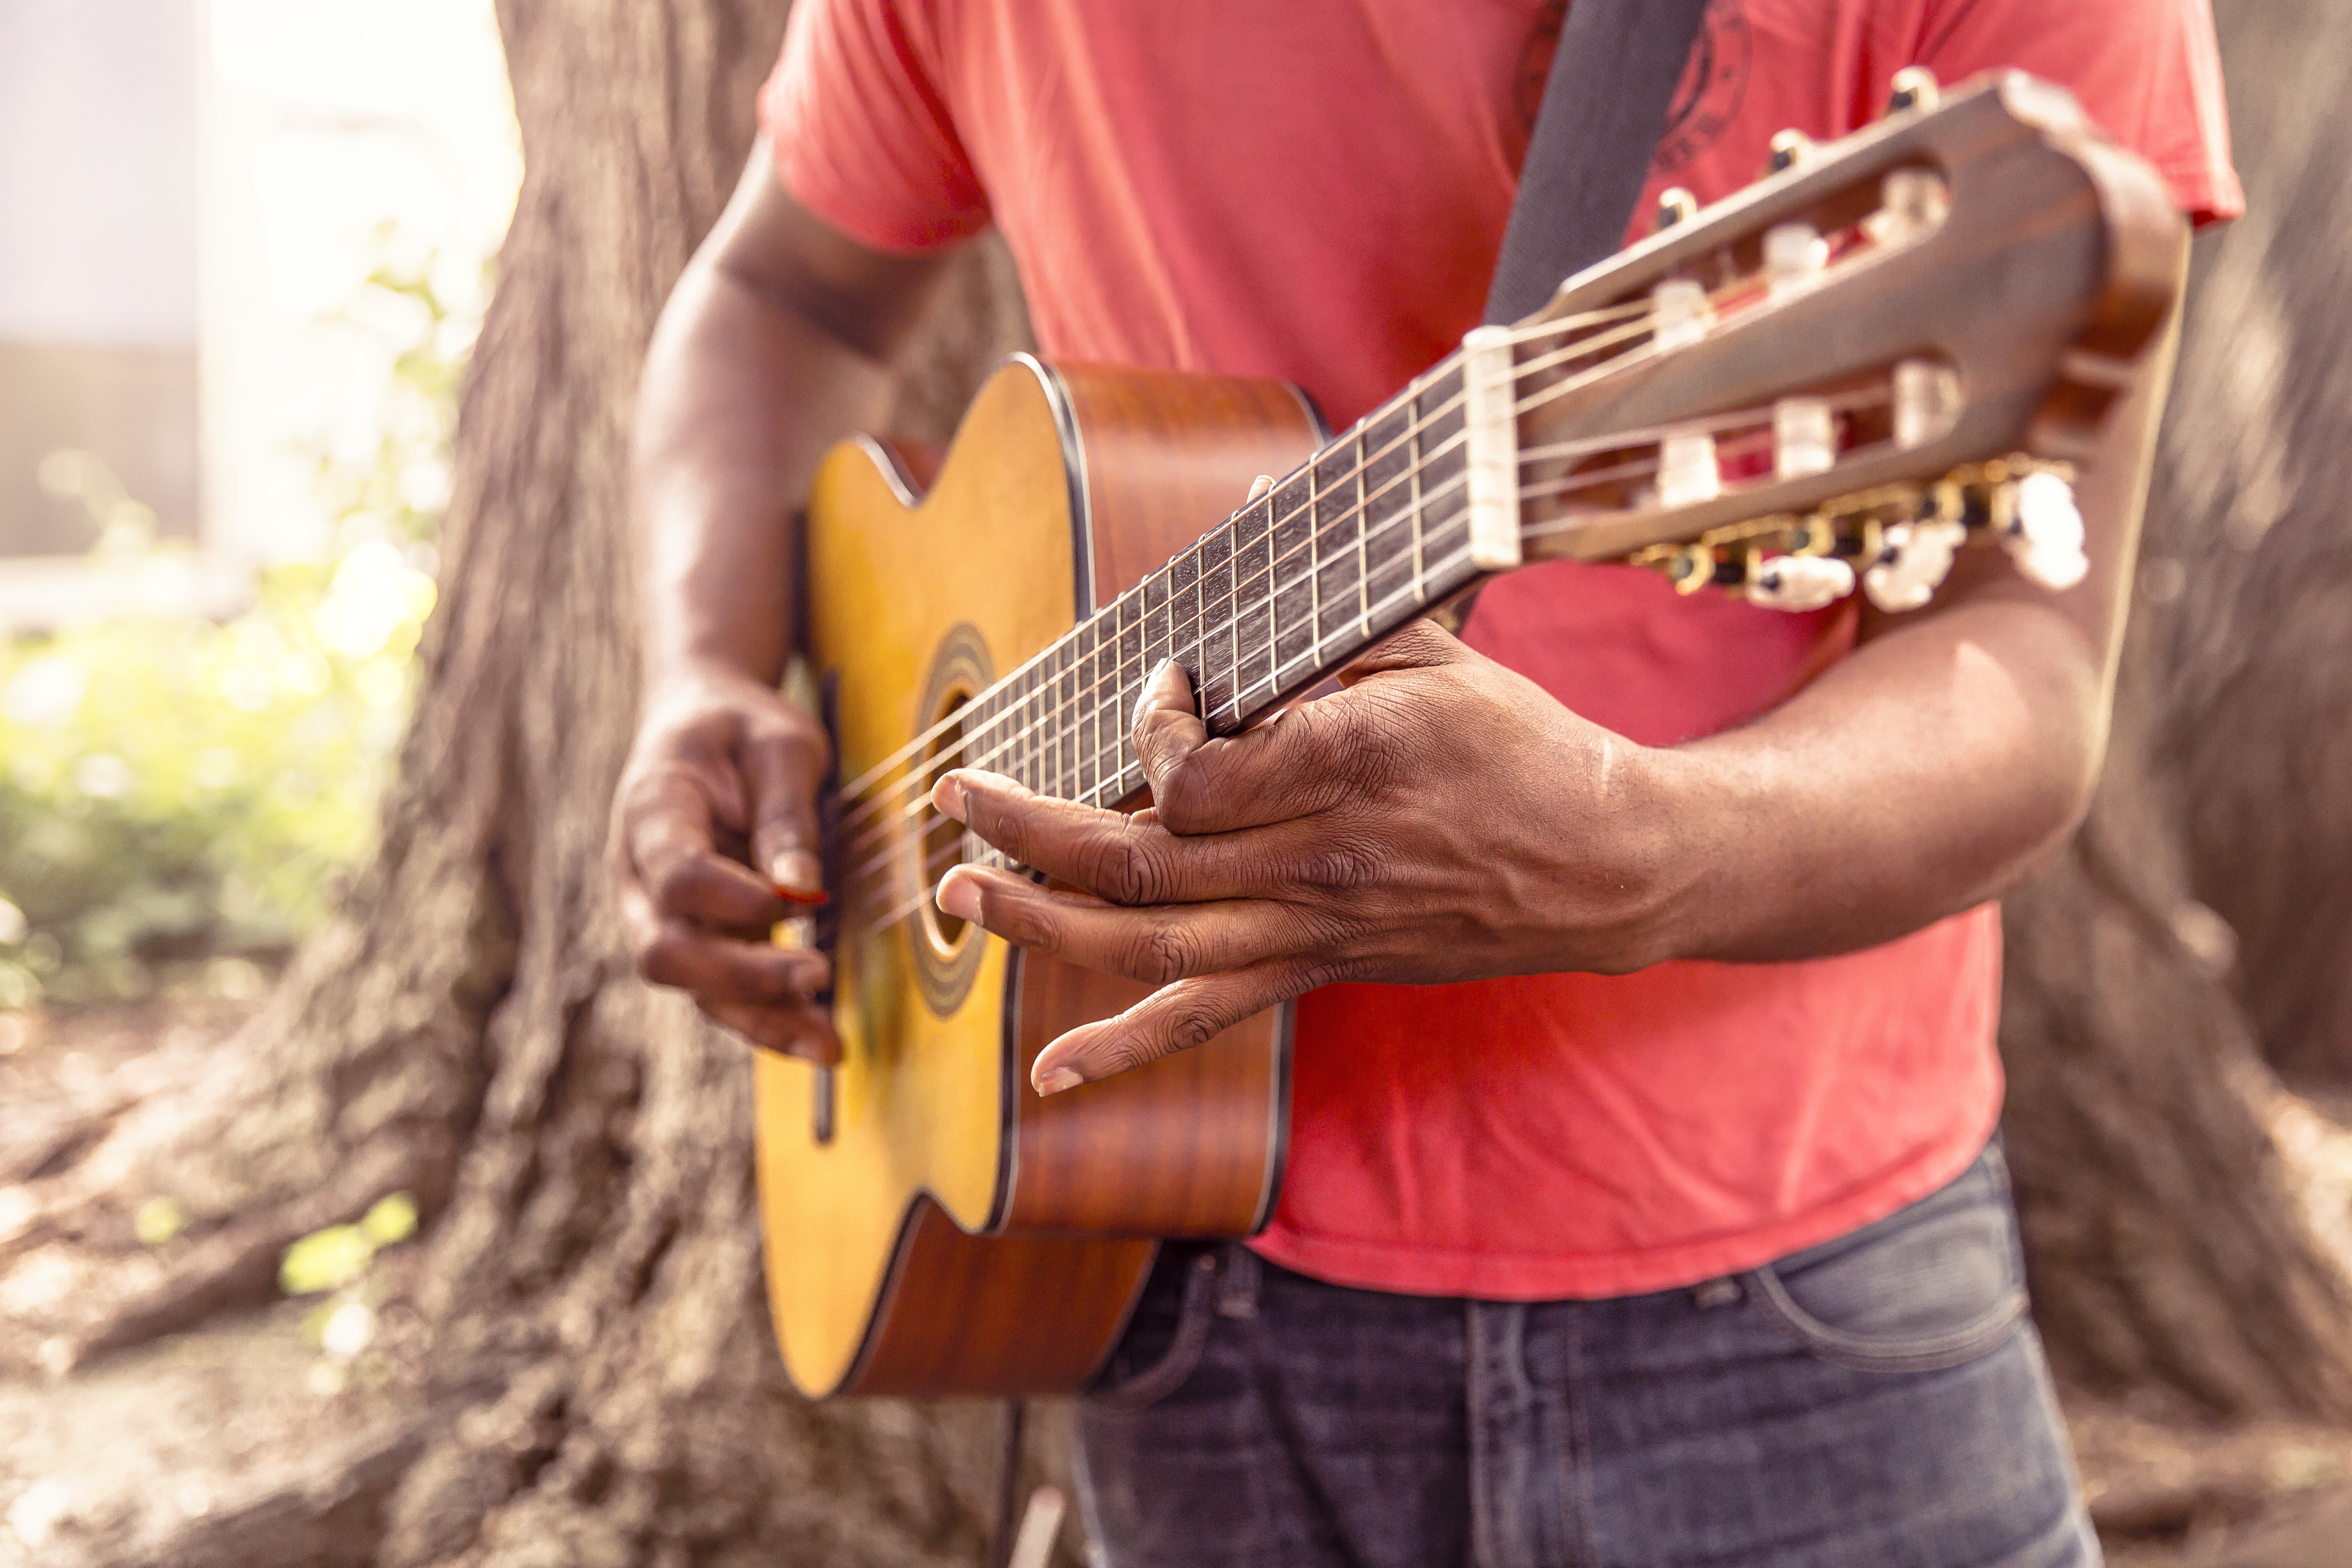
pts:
[784, 766]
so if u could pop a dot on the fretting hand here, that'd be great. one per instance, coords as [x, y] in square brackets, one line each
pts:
[1439, 819]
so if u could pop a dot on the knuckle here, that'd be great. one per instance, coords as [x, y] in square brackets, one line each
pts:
[1124, 1054]
[1123, 867]
[1192, 1023]
[675, 886]
[1182, 796]
[1347, 865]
[1163, 953]
[661, 961]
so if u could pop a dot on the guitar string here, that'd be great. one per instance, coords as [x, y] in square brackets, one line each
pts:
[1596, 478]
[870, 805]
[1198, 624]
[1752, 445]
[1419, 422]
[934, 865]
[916, 901]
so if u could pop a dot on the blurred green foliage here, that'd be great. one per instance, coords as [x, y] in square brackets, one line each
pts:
[180, 796]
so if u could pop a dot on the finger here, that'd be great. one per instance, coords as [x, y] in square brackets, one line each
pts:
[1172, 1018]
[1159, 945]
[785, 766]
[667, 849]
[1115, 857]
[804, 1030]
[1310, 762]
[730, 969]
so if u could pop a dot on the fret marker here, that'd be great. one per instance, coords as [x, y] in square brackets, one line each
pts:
[1491, 446]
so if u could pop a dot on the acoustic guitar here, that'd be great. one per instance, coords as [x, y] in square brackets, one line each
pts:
[1890, 346]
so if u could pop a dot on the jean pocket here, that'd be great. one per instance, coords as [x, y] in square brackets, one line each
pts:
[1930, 1285]
[1166, 1335]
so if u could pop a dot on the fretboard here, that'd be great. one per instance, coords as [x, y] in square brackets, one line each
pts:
[1368, 533]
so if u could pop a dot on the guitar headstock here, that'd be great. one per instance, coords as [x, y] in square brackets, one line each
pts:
[1887, 341]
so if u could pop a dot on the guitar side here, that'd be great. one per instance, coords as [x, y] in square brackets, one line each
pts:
[931, 1226]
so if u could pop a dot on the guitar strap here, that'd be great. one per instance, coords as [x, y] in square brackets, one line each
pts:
[1613, 76]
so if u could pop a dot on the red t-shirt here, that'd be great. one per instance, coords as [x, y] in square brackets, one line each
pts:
[1316, 191]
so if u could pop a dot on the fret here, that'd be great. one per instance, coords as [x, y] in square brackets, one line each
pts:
[1294, 579]
[1363, 536]
[1064, 693]
[1441, 473]
[1214, 678]
[1159, 630]
[1086, 717]
[1412, 422]
[1252, 600]
[1392, 570]
[1184, 612]
[1133, 673]
[1338, 574]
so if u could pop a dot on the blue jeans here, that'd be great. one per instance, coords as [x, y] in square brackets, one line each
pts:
[1878, 1402]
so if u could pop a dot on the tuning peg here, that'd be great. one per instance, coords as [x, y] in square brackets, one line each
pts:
[2037, 519]
[1790, 148]
[1913, 558]
[1915, 88]
[1675, 206]
[1798, 581]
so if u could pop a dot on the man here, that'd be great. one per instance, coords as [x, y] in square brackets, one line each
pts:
[1653, 1218]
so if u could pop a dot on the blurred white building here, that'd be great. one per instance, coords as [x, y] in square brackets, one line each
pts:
[193, 195]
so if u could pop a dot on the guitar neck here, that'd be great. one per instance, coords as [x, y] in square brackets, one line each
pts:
[1367, 534]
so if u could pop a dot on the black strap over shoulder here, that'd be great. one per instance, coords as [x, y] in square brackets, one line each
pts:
[1604, 108]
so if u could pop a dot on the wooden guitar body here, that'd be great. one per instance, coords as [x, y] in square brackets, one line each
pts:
[931, 1224]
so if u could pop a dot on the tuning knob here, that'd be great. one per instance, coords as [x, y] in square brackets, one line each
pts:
[2037, 519]
[1790, 148]
[1675, 206]
[1915, 88]
[1800, 581]
[1913, 558]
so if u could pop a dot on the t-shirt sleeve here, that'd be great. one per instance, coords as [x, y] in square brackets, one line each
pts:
[861, 130]
[2149, 72]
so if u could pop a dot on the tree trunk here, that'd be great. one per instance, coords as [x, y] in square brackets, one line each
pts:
[603, 1387]
[2171, 1246]
[599, 1385]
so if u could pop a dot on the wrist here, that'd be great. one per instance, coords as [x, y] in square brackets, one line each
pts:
[1673, 806]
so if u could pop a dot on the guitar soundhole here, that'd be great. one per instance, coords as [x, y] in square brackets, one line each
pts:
[947, 952]
[943, 838]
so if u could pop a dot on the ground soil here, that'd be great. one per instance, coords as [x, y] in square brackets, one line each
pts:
[207, 1447]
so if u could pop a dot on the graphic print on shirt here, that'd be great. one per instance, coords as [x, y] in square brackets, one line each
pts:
[1713, 86]
[1707, 101]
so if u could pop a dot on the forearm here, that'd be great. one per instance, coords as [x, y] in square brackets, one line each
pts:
[741, 396]
[1930, 771]
[1939, 766]
[777, 342]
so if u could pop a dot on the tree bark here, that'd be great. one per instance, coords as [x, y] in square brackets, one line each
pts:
[2202, 920]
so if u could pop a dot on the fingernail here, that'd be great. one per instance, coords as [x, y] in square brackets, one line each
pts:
[1260, 486]
[797, 870]
[949, 797]
[960, 896]
[1054, 1079]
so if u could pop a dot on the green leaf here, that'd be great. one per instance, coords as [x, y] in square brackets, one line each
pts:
[391, 1219]
[325, 1260]
[158, 1221]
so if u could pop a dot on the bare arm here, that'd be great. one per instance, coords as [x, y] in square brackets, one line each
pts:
[1443, 819]
[777, 341]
